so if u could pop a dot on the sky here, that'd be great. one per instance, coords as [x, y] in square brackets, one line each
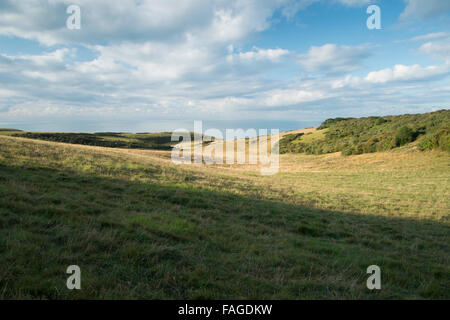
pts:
[156, 65]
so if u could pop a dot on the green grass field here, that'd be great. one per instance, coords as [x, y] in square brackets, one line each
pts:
[140, 227]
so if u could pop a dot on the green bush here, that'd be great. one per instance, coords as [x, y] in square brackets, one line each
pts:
[286, 145]
[329, 122]
[380, 121]
[444, 140]
[348, 151]
[404, 135]
[439, 140]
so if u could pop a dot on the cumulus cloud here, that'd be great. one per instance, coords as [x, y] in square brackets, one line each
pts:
[406, 73]
[438, 48]
[113, 21]
[258, 54]
[331, 58]
[167, 58]
[155, 55]
[102, 20]
[398, 73]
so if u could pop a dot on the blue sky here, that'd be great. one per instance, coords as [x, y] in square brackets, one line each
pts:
[151, 65]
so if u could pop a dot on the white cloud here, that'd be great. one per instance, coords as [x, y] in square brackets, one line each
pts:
[398, 73]
[331, 58]
[5, 93]
[114, 21]
[406, 73]
[431, 36]
[288, 97]
[258, 54]
[439, 49]
[102, 20]
[293, 7]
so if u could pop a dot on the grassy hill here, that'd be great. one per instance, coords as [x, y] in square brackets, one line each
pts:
[142, 227]
[6, 131]
[156, 141]
[373, 134]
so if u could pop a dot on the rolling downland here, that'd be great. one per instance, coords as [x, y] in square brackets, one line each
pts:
[141, 227]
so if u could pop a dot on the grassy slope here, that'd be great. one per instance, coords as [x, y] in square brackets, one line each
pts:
[140, 227]
[373, 134]
[156, 141]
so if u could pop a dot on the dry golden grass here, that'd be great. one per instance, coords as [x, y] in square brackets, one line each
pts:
[403, 182]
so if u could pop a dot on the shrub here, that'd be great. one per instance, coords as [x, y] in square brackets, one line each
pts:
[380, 121]
[444, 140]
[286, 144]
[439, 140]
[347, 151]
[327, 123]
[404, 135]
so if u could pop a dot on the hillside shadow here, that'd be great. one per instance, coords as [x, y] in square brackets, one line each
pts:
[180, 241]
